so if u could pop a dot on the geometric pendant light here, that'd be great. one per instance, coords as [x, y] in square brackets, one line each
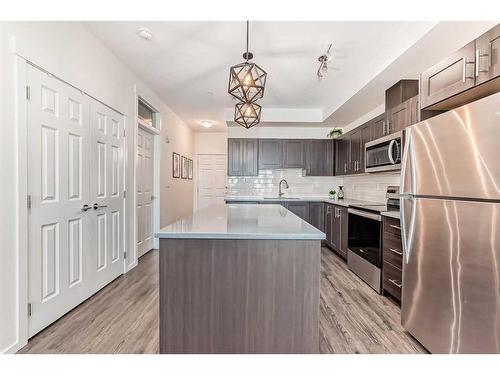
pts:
[247, 80]
[247, 114]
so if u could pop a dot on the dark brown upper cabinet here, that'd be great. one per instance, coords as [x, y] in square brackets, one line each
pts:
[449, 77]
[270, 154]
[319, 157]
[378, 126]
[471, 73]
[234, 157]
[400, 92]
[250, 157]
[342, 155]
[355, 151]
[242, 157]
[488, 55]
[293, 153]
[366, 136]
[403, 115]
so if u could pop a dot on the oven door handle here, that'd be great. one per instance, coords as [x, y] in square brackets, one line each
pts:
[366, 214]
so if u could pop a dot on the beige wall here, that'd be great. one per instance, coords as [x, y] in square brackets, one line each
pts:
[210, 143]
[68, 50]
[176, 193]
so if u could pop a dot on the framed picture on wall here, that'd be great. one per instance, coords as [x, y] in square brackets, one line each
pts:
[190, 169]
[184, 167]
[176, 165]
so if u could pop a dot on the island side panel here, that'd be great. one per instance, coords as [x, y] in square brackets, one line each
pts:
[239, 296]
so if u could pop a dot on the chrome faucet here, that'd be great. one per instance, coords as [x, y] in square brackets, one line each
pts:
[280, 194]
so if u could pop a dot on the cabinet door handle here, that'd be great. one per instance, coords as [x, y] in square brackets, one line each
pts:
[395, 227]
[479, 55]
[395, 283]
[395, 251]
[464, 70]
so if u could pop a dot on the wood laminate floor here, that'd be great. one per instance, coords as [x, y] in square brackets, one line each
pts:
[123, 317]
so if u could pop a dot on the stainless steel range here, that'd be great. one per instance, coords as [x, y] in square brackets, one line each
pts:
[364, 254]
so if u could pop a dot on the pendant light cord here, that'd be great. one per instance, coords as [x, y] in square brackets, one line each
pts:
[247, 40]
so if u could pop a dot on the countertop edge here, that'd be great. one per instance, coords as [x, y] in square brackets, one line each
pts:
[346, 203]
[237, 236]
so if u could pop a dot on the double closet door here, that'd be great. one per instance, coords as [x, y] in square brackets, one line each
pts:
[75, 186]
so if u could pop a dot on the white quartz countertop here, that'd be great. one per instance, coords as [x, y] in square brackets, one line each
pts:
[341, 202]
[242, 221]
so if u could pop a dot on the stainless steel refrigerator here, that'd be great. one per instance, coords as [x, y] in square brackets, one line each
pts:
[450, 217]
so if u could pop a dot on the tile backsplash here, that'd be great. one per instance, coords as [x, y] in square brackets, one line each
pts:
[371, 187]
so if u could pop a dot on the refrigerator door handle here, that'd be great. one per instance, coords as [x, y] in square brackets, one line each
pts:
[405, 167]
[407, 228]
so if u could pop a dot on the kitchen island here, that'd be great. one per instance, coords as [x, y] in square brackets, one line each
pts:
[240, 279]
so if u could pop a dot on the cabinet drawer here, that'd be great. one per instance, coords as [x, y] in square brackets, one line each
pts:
[392, 226]
[393, 252]
[392, 280]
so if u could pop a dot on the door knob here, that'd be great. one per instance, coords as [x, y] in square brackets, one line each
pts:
[96, 206]
[86, 207]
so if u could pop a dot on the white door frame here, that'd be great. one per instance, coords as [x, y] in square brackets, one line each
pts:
[156, 172]
[22, 284]
[156, 180]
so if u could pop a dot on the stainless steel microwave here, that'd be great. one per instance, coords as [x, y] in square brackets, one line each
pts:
[384, 154]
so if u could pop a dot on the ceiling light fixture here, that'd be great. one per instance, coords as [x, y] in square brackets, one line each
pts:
[323, 66]
[247, 114]
[247, 82]
[207, 124]
[145, 33]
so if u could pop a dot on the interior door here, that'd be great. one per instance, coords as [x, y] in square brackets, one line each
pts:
[106, 193]
[212, 181]
[144, 172]
[58, 184]
[74, 249]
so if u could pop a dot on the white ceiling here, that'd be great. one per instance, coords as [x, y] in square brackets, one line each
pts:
[187, 63]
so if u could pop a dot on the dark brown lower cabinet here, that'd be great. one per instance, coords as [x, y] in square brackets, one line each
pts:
[317, 215]
[393, 258]
[301, 209]
[336, 229]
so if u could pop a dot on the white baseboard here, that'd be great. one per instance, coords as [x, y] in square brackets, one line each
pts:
[11, 349]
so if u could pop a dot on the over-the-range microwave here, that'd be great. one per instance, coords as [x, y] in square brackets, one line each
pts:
[384, 154]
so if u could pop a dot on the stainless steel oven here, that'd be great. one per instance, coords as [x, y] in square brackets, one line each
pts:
[364, 255]
[384, 154]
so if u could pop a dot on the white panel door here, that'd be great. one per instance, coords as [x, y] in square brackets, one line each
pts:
[58, 184]
[106, 194]
[144, 172]
[73, 251]
[212, 179]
